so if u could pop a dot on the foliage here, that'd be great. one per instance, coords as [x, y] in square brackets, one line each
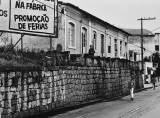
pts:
[156, 59]
[146, 59]
[12, 57]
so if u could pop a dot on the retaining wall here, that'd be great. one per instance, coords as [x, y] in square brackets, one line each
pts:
[26, 92]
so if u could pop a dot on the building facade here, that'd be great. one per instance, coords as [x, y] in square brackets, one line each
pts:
[77, 30]
[84, 29]
[134, 44]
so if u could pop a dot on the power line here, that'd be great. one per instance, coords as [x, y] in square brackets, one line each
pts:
[155, 29]
[140, 47]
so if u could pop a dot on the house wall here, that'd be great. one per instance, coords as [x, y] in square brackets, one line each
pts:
[100, 29]
[75, 17]
[81, 20]
[148, 44]
[120, 37]
[4, 39]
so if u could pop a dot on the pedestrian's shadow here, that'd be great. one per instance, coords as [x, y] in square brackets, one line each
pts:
[126, 99]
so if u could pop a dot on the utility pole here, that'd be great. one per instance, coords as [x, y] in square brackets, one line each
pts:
[142, 70]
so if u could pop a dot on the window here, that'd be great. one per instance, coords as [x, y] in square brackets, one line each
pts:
[84, 39]
[156, 47]
[125, 50]
[102, 44]
[94, 41]
[135, 57]
[115, 47]
[121, 48]
[109, 45]
[71, 35]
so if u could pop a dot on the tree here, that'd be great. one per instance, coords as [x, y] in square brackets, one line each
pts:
[146, 59]
[156, 59]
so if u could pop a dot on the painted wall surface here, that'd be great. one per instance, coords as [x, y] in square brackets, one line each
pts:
[148, 44]
[77, 18]
[100, 30]
[5, 39]
[147, 64]
[80, 20]
[119, 36]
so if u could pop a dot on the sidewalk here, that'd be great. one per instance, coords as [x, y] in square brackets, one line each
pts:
[148, 86]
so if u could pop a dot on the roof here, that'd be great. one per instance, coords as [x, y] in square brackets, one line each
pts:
[94, 17]
[137, 32]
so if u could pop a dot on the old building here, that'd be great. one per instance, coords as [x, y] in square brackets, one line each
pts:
[77, 30]
[150, 45]
[83, 29]
[134, 44]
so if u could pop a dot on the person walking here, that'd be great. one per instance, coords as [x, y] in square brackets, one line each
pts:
[131, 87]
[153, 79]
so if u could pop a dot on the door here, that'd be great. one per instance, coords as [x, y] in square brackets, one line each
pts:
[102, 45]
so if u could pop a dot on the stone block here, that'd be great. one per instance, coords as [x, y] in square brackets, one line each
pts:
[35, 74]
[36, 110]
[31, 112]
[25, 106]
[13, 108]
[34, 104]
[29, 105]
[15, 115]
[38, 102]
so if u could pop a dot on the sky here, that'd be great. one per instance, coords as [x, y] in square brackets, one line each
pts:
[123, 13]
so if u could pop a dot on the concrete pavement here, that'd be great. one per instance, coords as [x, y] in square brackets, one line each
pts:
[148, 86]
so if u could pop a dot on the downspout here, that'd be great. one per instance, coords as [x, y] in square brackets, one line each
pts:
[90, 33]
[106, 42]
[65, 27]
[128, 48]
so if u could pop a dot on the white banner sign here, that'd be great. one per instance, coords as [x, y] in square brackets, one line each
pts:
[36, 17]
[4, 15]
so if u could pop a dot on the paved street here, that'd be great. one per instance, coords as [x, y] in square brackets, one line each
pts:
[145, 105]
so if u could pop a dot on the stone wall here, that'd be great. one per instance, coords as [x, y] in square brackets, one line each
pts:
[26, 92]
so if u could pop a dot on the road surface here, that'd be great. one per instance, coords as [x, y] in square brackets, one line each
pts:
[145, 105]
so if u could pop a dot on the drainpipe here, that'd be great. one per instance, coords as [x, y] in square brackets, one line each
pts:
[90, 33]
[65, 34]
